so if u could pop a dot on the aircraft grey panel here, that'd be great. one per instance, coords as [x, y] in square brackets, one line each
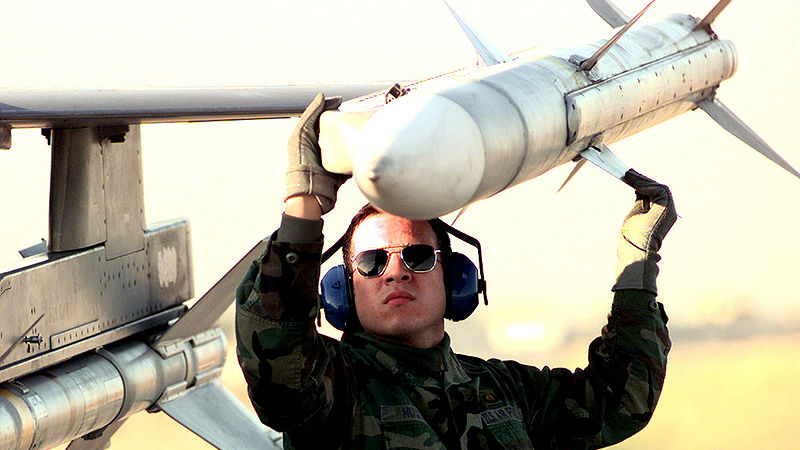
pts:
[77, 212]
[213, 303]
[211, 412]
[29, 108]
[123, 189]
[88, 301]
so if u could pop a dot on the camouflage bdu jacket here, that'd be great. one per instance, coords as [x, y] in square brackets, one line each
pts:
[364, 393]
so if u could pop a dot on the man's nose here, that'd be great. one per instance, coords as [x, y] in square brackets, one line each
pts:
[396, 269]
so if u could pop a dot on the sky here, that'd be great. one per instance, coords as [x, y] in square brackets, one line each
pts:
[733, 256]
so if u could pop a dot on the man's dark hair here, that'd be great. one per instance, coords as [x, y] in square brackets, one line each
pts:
[442, 238]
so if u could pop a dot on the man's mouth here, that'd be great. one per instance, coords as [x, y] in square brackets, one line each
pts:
[397, 298]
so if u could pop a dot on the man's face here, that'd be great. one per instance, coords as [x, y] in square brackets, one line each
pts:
[399, 305]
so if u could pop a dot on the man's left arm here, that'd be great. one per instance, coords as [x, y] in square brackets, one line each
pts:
[616, 394]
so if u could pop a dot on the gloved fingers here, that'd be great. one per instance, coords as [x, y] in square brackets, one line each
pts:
[311, 113]
[332, 103]
[648, 190]
[309, 120]
[305, 133]
[634, 179]
[305, 174]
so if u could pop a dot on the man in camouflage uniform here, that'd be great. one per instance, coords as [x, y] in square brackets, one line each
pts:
[393, 381]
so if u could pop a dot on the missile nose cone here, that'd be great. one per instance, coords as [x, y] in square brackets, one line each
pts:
[420, 157]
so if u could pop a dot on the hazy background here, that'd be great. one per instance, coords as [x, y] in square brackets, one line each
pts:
[730, 274]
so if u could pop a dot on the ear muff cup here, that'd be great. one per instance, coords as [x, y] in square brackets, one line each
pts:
[335, 295]
[464, 288]
[461, 300]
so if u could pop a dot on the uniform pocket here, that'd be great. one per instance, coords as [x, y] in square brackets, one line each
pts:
[404, 427]
[505, 425]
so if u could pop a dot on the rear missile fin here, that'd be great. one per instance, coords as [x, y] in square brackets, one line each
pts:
[735, 126]
[213, 303]
[490, 54]
[212, 412]
[575, 170]
[602, 157]
[705, 24]
[589, 63]
[609, 12]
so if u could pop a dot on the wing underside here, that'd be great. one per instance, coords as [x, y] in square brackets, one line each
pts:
[29, 108]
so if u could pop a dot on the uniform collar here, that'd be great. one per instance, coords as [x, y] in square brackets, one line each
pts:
[413, 365]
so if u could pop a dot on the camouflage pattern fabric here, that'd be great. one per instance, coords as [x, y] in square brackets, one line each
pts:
[368, 394]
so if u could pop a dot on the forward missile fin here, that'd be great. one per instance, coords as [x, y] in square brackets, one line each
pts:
[589, 63]
[705, 24]
[575, 170]
[602, 157]
[609, 12]
[214, 414]
[213, 303]
[490, 54]
[96, 440]
[735, 126]
[458, 216]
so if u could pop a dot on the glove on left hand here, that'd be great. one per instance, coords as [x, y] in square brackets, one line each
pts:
[642, 233]
[305, 174]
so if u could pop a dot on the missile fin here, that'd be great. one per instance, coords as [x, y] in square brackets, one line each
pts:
[490, 54]
[213, 303]
[214, 414]
[705, 24]
[609, 12]
[589, 63]
[602, 157]
[575, 170]
[735, 126]
[96, 440]
[458, 216]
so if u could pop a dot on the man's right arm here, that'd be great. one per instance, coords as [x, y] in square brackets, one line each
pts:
[282, 356]
[288, 366]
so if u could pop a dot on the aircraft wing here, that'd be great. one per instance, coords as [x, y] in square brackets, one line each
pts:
[62, 108]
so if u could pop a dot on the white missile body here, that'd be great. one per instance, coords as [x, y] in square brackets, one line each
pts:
[466, 137]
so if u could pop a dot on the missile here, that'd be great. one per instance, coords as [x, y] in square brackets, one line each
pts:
[90, 396]
[85, 394]
[471, 135]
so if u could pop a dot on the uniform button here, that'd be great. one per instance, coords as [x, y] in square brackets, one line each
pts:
[292, 258]
[653, 306]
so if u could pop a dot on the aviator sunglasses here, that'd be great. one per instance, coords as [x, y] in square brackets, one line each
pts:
[418, 258]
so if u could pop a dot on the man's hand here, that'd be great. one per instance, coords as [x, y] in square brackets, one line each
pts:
[307, 182]
[643, 230]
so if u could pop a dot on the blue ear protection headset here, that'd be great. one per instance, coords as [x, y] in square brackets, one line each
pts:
[464, 284]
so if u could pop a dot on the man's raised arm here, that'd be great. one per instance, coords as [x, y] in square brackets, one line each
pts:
[288, 366]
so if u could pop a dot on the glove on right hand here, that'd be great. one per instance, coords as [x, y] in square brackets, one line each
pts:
[643, 230]
[305, 174]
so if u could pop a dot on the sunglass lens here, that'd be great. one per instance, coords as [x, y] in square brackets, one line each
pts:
[419, 257]
[371, 263]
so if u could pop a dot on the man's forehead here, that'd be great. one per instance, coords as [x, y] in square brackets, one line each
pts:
[381, 230]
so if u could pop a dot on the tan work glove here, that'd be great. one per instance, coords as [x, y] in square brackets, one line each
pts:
[305, 174]
[643, 230]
